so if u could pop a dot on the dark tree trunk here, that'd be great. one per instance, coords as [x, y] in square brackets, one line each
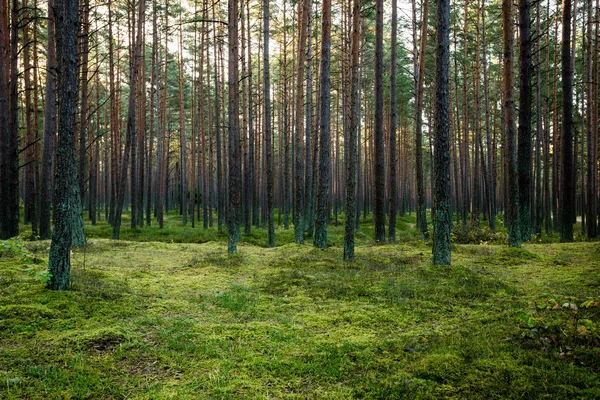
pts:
[267, 122]
[49, 128]
[9, 156]
[250, 178]
[379, 188]
[567, 184]
[299, 216]
[592, 139]
[235, 170]
[83, 116]
[421, 215]
[393, 190]
[512, 188]
[525, 100]
[322, 207]
[352, 134]
[66, 184]
[131, 123]
[442, 219]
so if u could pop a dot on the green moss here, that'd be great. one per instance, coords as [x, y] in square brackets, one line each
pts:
[174, 316]
[100, 339]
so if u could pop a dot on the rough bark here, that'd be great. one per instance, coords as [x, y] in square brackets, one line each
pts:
[235, 170]
[512, 187]
[322, 207]
[442, 191]
[421, 215]
[67, 187]
[525, 107]
[379, 172]
[567, 184]
[267, 122]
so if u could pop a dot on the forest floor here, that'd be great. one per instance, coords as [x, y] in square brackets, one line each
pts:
[168, 314]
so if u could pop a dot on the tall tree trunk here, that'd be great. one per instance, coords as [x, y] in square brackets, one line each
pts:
[539, 131]
[511, 129]
[220, 188]
[83, 112]
[67, 188]
[183, 164]
[9, 156]
[525, 100]
[421, 215]
[299, 214]
[49, 124]
[393, 190]
[131, 121]
[567, 185]
[592, 205]
[150, 182]
[442, 218]
[379, 188]
[250, 178]
[267, 122]
[322, 207]
[352, 134]
[235, 170]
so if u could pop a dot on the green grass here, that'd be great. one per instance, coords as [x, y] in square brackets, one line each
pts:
[171, 315]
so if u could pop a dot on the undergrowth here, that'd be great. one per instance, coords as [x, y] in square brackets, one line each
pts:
[174, 316]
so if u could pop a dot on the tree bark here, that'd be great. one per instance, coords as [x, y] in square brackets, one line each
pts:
[379, 188]
[567, 185]
[511, 129]
[322, 214]
[442, 219]
[67, 187]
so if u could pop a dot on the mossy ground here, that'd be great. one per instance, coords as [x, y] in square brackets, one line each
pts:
[155, 319]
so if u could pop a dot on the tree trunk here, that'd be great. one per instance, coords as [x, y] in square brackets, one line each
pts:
[235, 170]
[421, 215]
[322, 214]
[131, 122]
[379, 188]
[525, 100]
[352, 134]
[67, 188]
[46, 196]
[267, 122]
[442, 219]
[567, 185]
[511, 129]
[393, 190]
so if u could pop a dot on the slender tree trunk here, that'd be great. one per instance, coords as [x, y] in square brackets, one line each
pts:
[421, 215]
[267, 122]
[299, 215]
[352, 134]
[322, 214]
[525, 102]
[567, 185]
[9, 156]
[49, 124]
[539, 132]
[442, 219]
[379, 188]
[592, 206]
[183, 164]
[511, 129]
[235, 170]
[83, 112]
[220, 188]
[131, 121]
[393, 190]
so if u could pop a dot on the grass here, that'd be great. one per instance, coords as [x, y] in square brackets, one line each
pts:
[159, 316]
